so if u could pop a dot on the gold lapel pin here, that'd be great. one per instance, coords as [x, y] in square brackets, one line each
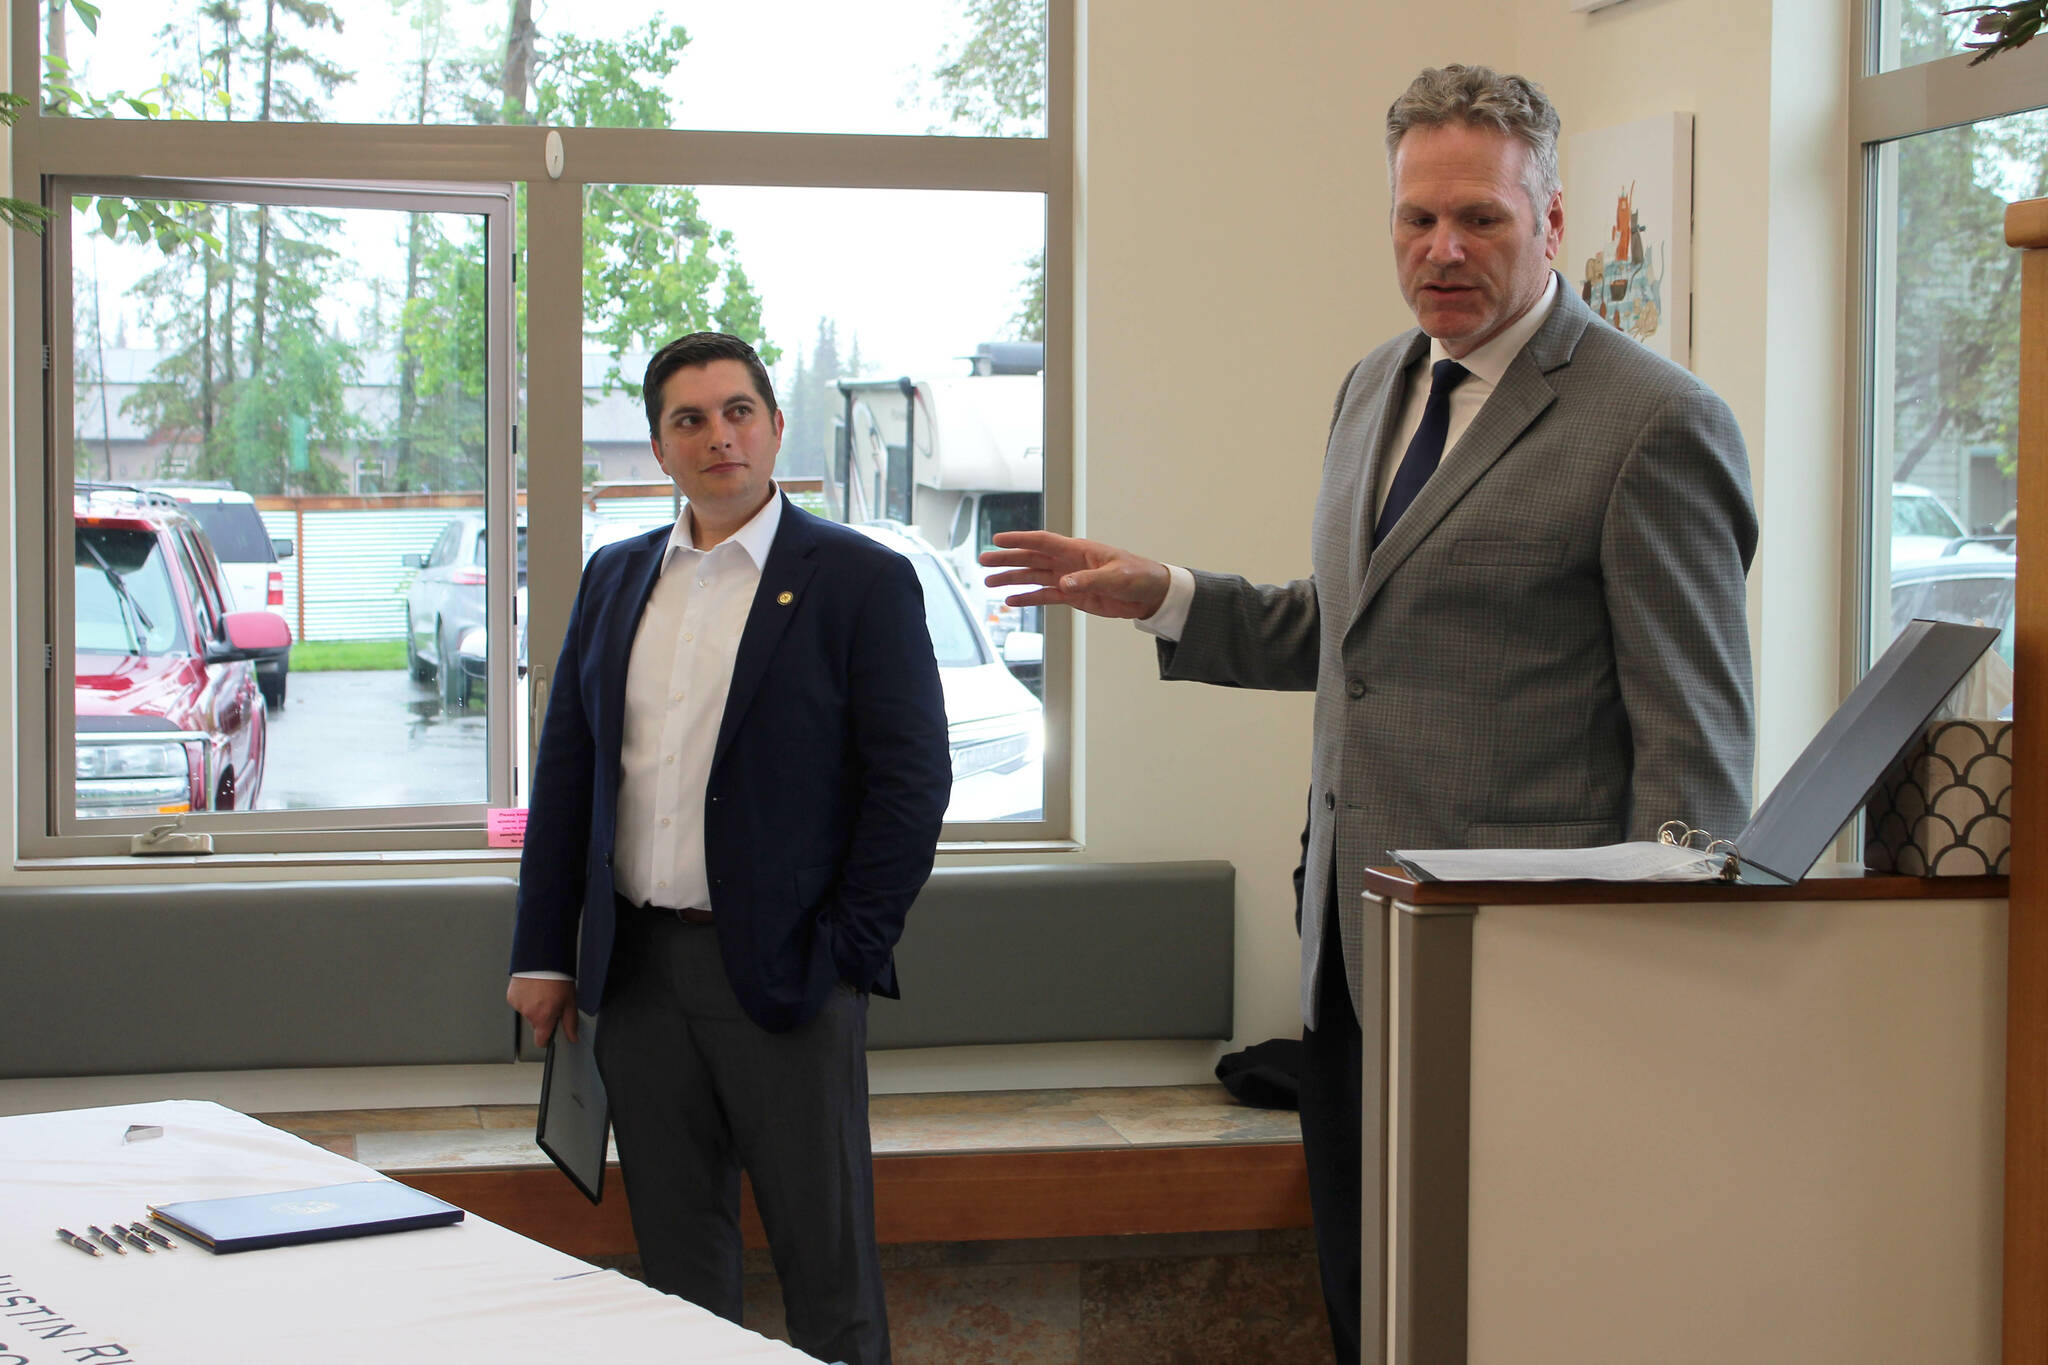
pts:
[785, 599]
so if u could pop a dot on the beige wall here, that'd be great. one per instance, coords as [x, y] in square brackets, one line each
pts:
[1234, 263]
[1234, 272]
[1767, 84]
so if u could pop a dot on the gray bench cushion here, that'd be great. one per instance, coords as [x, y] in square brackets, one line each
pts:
[1064, 953]
[244, 975]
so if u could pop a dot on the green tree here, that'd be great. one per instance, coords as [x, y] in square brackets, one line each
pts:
[1956, 332]
[258, 430]
[438, 432]
[653, 268]
[993, 83]
[252, 377]
[283, 64]
[812, 405]
[441, 441]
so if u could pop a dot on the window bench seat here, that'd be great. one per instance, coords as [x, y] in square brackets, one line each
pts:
[982, 1166]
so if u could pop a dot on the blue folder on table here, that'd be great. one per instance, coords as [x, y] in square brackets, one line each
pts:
[250, 1222]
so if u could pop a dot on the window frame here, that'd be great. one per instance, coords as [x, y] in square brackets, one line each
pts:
[53, 829]
[1885, 107]
[394, 159]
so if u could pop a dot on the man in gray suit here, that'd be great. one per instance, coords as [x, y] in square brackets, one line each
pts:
[1525, 624]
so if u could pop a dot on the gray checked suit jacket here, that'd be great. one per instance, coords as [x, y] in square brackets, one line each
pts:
[1549, 650]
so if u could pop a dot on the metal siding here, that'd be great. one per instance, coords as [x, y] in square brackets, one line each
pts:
[350, 565]
[640, 513]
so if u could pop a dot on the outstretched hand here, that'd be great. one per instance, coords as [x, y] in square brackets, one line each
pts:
[1083, 574]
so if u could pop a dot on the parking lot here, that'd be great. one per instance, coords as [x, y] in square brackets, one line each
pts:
[371, 739]
[381, 739]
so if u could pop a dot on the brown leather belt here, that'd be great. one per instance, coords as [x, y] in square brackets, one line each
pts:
[688, 914]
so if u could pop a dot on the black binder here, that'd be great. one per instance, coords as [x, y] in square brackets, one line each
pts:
[1819, 794]
[575, 1117]
[1835, 774]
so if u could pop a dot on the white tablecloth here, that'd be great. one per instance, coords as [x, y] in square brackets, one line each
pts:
[474, 1292]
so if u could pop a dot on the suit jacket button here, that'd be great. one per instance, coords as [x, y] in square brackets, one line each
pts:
[1356, 687]
[1329, 801]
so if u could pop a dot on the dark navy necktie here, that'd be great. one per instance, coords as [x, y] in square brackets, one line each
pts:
[1425, 448]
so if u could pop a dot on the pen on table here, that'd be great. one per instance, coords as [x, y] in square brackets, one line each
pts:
[106, 1239]
[87, 1247]
[153, 1235]
[134, 1239]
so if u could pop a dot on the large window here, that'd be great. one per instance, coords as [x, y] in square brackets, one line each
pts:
[800, 66]
[1945, 151]
[335, 415]
[310, 389]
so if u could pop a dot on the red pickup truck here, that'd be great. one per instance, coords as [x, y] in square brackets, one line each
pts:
[169, 715]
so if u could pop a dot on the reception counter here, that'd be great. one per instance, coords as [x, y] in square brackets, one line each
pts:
[1689, 1123]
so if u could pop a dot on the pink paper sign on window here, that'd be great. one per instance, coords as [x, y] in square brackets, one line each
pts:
[505, 827]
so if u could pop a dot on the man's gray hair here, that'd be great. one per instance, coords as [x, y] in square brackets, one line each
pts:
[1480, 97]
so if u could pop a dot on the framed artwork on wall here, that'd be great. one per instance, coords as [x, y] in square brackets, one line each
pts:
[1628, 229]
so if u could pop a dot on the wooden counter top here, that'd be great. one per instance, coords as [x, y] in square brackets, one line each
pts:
[1827, 882]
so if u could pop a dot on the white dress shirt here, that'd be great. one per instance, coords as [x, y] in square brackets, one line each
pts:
[677, 680]
[1488, 365]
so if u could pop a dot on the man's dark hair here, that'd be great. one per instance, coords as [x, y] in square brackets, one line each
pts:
[700, 348]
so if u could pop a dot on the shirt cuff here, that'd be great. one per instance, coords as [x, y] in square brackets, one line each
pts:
[1172, 617]
[543, 976]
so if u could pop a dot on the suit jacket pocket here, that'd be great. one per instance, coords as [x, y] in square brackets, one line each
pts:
[1508, 553]
[812, 885]
[1562, 834]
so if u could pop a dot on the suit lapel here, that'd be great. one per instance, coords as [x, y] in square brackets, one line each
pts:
[1386, 404]
[1522, 395]
[784, 578]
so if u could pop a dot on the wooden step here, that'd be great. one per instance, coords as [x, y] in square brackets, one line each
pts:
[950, 1197]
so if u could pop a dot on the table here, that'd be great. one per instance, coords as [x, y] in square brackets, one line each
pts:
[473, 1292]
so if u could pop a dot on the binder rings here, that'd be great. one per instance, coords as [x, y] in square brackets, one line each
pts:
[1819, 793]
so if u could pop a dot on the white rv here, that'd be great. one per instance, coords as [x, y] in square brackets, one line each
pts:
[958, 459]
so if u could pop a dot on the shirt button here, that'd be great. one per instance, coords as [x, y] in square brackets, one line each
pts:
[700, 582]
[662, 885]
[664, 822]
[687, 637]
[1356, 687]
[670, 759]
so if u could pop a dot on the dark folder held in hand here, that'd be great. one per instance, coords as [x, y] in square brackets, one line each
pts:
[575, 1118]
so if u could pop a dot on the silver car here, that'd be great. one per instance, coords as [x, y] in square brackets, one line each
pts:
[444, 603]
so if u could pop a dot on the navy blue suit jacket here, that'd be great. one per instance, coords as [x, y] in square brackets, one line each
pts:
[828, 783]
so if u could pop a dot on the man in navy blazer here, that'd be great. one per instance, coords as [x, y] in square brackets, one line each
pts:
[737, 795]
